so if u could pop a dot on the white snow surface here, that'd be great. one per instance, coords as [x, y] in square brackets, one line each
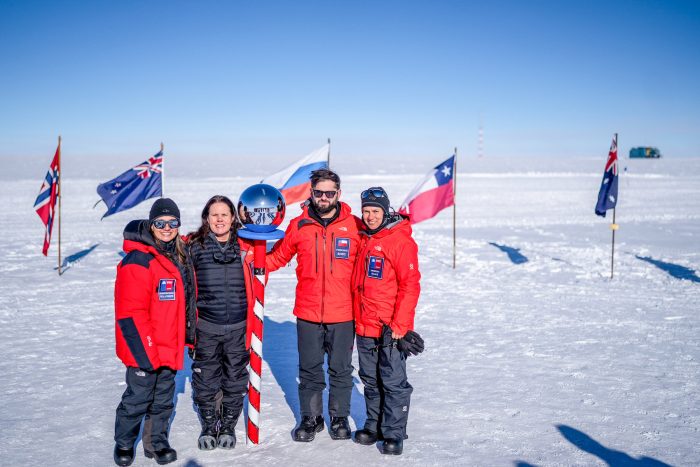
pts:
[545, 362]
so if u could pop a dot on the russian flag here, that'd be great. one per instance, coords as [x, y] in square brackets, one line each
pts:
[293, 181]
[433, 194]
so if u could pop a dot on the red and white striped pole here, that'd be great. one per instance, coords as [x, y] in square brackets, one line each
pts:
[256, 340]
[261, 210]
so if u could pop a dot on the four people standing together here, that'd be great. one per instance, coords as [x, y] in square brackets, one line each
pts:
[354, 276]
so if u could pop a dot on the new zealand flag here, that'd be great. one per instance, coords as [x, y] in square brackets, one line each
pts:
[607, 196]
[133, 186]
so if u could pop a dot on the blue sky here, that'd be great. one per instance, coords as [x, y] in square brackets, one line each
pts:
[381, 78]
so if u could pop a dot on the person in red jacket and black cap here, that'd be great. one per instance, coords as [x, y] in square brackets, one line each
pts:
[386, 286]
[154, 302]
[324, 239]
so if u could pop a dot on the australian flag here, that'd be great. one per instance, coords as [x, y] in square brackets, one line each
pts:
[607, 196]
[45, 204]
[133, 186]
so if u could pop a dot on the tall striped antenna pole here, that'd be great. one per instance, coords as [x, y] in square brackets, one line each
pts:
[328, 159]
[256, 341]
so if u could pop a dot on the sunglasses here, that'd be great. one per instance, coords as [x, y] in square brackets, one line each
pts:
[160, 223]
[373, 193]
[329, 194]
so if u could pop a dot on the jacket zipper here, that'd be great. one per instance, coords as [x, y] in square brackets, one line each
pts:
[332, 251]
[316, 255]
[323, 276]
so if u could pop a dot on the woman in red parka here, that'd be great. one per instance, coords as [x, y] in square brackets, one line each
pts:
[155, 310]
[386, 286]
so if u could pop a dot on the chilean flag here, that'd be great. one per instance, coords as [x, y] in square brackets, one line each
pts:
[433, 194]
[293, 181]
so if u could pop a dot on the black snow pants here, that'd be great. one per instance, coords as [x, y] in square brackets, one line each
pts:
[149, 396]
[314, 340]
[220, 364]
[387, 392]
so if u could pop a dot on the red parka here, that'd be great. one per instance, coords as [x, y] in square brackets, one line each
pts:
[325, 259]
[149, 304]
[386, 281]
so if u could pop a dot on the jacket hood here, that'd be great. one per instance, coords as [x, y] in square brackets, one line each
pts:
[136, 232]
[397, 223]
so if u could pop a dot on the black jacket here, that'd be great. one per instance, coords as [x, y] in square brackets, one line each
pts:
[221, 294]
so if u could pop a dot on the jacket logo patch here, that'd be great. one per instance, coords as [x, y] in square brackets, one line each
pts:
[378, 247]
[344, 229]
[342, 248]
[166, 289]
[375, 269]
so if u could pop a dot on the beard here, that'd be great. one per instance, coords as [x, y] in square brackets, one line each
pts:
[321, 210]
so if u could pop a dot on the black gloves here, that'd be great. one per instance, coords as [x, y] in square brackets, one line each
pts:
[411, 344]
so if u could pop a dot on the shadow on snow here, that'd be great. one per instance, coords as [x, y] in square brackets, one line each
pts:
[281, 354]
[70, 260]
[674, 270]
[514, 254]
[611, 457]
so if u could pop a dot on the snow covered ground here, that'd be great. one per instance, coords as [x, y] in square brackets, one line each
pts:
[534, 356]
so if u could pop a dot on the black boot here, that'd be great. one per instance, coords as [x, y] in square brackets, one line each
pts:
[392, 446]
[207, 439]
[366, 437]
[308, 428]
[227, 435]
[340, 428]
[162, 456]
[123, 456]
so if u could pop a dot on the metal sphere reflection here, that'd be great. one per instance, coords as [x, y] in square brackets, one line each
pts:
[261, 208]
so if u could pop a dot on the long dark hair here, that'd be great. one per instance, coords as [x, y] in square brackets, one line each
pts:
[203, 231]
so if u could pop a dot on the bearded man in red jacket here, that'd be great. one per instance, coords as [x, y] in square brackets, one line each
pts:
[324, 240]
[386, 286]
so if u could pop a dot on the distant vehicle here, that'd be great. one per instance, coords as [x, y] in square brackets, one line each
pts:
[645, 153]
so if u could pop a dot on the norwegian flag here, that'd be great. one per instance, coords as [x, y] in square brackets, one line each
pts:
[607, 195]
[137, 184]
[45, 204]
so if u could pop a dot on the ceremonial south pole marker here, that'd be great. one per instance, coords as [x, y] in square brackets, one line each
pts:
[261, 210]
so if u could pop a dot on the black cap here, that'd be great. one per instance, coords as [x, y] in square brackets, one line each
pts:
[164, 207]
[376, 196]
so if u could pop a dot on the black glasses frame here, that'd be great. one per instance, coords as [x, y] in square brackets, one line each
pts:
[329, 193]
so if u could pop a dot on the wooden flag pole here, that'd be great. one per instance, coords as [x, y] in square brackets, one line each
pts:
[454, 213]
[162, 171]
[60, 195]
[328, 159]
[614, 226]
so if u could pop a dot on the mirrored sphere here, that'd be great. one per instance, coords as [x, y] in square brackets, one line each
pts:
[261, 208]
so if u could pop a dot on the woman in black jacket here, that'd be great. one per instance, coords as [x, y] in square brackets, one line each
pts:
[220, 357]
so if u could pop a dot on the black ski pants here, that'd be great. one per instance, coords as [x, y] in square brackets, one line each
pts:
[220, 364]
[387, 392]
[148, 395]
[314, 340]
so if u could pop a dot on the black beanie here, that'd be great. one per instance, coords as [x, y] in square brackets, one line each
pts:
[381, 202]
[164, 207]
